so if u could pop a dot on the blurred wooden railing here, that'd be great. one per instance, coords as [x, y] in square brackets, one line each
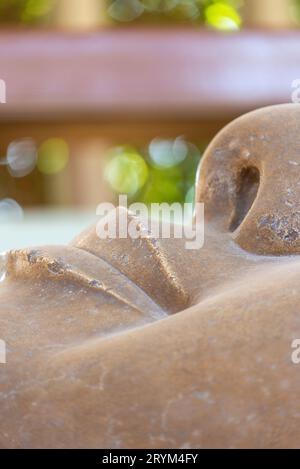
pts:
[177, 73]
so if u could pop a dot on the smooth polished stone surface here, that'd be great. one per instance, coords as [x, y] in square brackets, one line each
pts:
[143, 343]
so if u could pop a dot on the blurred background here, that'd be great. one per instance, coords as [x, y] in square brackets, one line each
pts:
[109, 97]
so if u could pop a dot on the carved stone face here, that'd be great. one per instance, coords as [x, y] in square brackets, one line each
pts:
[142, 343]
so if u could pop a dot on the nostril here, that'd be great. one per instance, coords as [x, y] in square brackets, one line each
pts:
[247, 187]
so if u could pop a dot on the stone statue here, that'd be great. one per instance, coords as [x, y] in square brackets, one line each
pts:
[123, 343]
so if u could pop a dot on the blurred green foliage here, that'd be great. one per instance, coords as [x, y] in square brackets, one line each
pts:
[296, 10]
[219, 14]
[224, 15]
[148, 180]
[25, 11]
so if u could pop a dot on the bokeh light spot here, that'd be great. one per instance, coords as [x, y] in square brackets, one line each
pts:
[222, 16]
[53, 156]
[21, 157]
[168, 153]
[165, 174]
[10, 211]
[129, 10]
[160, 5]
[126, 172]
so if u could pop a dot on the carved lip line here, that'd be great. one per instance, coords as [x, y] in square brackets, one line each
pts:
[56, 264]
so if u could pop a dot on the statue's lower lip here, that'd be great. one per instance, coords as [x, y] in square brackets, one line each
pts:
[83, 269]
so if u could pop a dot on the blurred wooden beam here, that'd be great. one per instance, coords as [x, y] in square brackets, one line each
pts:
[274, 14]
[85, 14]
[144, 73]
[137, 132]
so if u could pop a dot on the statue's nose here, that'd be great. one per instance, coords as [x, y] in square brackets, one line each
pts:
[249, 180]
